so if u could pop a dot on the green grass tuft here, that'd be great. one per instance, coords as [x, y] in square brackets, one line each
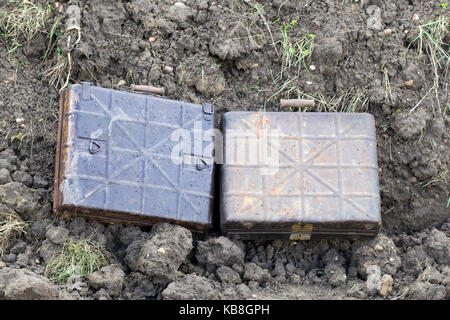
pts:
[78, 258]
[295, 53]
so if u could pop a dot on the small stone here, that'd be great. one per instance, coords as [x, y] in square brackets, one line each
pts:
[20, 120]
[386, 285]
[254, 66]
[373, 279]
[23, 284]
[5, 177]
[20, 198]
[59, 7]
[49, 250]
[387, 32]
[336, 274]
[434, 276]
[295, 279]
[102, 295]
[378, 248]
[253, 285]
[243, 291]
[191, 287]
[409, 83]
[253, 272]
[23, 177]
[227, 275]
[39, 182]
[437, 246]
[168, 69]
[37, 261]
[151, 39]
[110, 278]
[10, 258]
[415, 18]
[386, 110]
[374, 20]
[7, 164]
[427, 291]
[217, 252]
[357, 291]
[161, 251]
[2, 265]
[121, 83]
[406, 31]
[57, 235]
[312, 67]
[161, 255]
[180, 13]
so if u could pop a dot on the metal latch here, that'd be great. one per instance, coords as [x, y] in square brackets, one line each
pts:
[301, 231]
[208, 110]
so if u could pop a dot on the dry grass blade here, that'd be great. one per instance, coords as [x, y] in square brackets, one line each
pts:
[258, 9]
[387, 85]
[58, 73]
[11, 227]
[77, 259]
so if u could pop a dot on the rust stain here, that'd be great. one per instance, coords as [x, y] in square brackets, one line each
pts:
[247, 204]
[275, 191]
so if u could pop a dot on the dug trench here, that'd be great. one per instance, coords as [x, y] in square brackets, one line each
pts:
[350, 56]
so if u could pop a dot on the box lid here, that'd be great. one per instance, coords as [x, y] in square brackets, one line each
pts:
[320, 176]
[117, 156]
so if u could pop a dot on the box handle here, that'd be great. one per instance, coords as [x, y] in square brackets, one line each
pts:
[92, 149]
[296, 103]
[140, 88]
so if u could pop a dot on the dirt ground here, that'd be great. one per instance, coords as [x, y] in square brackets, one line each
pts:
[235, 54]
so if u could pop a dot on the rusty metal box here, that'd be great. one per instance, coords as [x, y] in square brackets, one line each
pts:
[317, 177]
[115, 160]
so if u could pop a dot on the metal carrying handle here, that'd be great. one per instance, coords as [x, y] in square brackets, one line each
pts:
[140, 88]
[201, 164]
[91, 147]
[296, 103]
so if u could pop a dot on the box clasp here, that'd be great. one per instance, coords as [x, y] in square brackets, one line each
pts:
[301, 231]
[208, 110]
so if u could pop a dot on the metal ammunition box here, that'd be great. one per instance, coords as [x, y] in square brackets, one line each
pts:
[320, 181]
[114, 158]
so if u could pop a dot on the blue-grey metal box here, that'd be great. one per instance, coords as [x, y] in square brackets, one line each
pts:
[115, 158]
